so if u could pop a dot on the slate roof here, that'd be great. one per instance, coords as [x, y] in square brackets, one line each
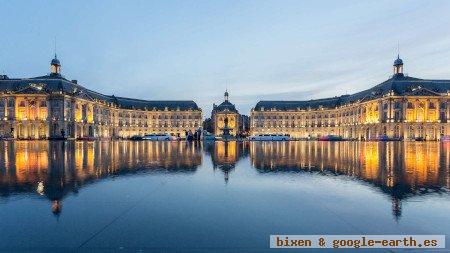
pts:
[57, 83]
[225, 105]
[399, 84]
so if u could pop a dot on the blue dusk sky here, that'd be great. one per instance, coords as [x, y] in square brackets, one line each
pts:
[193, 50]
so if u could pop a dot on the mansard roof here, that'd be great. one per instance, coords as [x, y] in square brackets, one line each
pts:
[225, 106]
[56, 83]
[400, 85]
[156, 104]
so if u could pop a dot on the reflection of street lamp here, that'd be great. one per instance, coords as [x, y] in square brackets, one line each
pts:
[40, 188]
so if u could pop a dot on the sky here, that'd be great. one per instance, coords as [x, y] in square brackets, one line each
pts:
[194, 50]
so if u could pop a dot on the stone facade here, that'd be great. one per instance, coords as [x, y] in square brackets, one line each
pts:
[402, 107]
[53, 107]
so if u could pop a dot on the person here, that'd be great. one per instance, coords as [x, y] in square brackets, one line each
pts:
[189, 136]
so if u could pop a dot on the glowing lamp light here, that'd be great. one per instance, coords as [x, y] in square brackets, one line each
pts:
[40, 188]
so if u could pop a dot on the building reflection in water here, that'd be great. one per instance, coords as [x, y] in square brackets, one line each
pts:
[55, 169]
[400, 169]
[225, 155]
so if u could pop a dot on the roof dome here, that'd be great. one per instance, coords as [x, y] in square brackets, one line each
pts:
[398, 61]
[225, 106]
[55, 61]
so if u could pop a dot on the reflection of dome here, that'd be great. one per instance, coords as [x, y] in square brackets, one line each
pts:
[396, 208]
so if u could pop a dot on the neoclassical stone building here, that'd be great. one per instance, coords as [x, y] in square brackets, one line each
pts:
[401, 107]
[53, 107]
[225, 111]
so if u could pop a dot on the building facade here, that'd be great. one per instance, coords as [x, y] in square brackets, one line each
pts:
[402, 107]
[53, 107]
[226, 111]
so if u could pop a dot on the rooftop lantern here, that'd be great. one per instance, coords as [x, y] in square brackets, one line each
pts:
[55, 66]
[226, 95]
[398, 66]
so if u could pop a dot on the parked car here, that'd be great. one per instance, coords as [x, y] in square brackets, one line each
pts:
[445, 138]
[330, 138]
[270, 137]
[159, 137]
[384, 138]
[208, 136]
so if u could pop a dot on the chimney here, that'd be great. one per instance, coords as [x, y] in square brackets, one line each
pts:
[75, 81]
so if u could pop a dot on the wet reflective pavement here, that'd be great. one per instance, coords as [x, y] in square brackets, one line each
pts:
[192, 197]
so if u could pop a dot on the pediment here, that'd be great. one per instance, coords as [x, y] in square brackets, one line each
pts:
[83, 95]
[420, 91]
[32, 88]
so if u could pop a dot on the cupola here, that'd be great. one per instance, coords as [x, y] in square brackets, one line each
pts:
[226, 96]
[55, 66]
[398, 66]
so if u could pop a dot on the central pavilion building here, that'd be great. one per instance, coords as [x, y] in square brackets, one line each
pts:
[401, 107]
[51, 106]
[225, 112]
